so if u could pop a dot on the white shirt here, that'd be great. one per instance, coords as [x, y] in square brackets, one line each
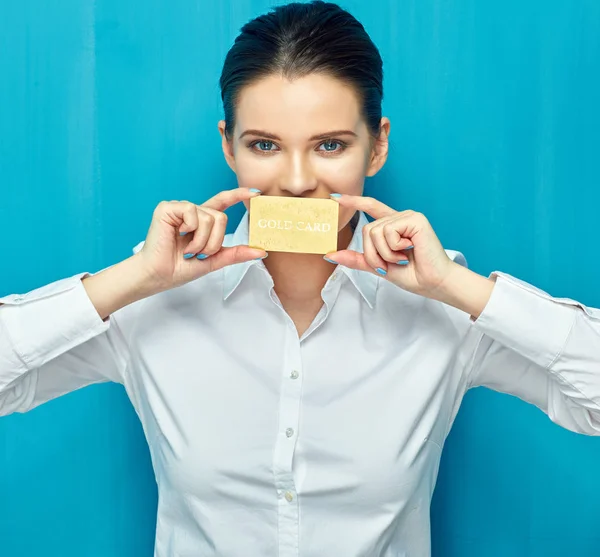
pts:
[265, 444]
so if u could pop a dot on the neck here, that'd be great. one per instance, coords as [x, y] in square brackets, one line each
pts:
[300, 277]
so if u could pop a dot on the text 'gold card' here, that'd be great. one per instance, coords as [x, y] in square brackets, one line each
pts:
[293, 224]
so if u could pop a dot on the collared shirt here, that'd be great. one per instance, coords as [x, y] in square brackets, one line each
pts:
[265, 444]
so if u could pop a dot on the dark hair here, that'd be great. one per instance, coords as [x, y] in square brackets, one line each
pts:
[298, 39]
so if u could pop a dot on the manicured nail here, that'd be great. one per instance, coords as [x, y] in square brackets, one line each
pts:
[263, 257]
[381, 271]
[330, 260]
[201, 256]
[188, 255]
[182, 233]
[410, 247]
[402, 262]
[254, 190]
[335, 195]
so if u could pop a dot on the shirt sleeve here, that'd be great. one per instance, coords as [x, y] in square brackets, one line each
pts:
[543, 350]
[52, 341]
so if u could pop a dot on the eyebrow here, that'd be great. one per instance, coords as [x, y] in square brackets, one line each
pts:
[326, 135]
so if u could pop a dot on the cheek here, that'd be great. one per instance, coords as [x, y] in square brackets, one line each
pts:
[346, 179]
[345, 174]
[253, 171]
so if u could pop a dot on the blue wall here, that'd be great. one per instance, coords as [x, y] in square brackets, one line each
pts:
[109, 106]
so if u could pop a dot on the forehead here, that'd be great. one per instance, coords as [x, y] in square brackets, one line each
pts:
[311, 104]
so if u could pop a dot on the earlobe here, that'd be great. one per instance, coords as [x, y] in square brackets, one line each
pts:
[227, 146]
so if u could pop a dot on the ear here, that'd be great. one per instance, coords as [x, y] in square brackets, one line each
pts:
[227, 146]
[379, 151]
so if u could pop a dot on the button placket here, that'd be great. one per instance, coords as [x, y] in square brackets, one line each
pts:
[285, 444]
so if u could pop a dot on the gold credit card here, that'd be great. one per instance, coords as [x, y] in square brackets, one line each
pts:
[293, 224]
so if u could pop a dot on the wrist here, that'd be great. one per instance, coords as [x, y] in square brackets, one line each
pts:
[144, 282]
[464, 290]
[120, 285]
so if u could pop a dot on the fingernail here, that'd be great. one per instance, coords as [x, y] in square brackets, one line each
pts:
[188, 255]
[263, 257]
[330, 260]
[182, 233]
[254, 190]
[381, 271]
[201, 256]
[410, 247]
[335, 195]
[402, 262]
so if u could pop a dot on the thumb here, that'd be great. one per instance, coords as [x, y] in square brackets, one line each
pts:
[350, 259]
[233, 255]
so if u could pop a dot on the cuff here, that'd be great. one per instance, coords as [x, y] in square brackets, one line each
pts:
[49, 321]
[527, 320]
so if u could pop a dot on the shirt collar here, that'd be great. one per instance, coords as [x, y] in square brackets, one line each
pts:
[365, 283]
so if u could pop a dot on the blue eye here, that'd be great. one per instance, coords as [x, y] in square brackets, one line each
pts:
[331, 146]
[265, 145]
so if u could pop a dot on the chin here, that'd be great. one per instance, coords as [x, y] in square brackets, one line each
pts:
[351, 220]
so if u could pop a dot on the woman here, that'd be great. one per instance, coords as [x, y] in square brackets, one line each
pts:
[298, 405]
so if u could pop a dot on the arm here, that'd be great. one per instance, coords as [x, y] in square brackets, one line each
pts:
[58, 338]
[541, 349]
[544, 350]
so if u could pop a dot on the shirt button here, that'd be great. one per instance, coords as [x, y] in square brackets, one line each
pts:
[289, 432]
[294, 374]
[289, 496]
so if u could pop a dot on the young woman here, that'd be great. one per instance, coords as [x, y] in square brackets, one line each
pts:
[298, 405]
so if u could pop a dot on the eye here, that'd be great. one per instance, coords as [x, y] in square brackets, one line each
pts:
[264, 146]
[331, 146]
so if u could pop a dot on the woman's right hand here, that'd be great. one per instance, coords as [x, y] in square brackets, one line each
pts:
[185, 241]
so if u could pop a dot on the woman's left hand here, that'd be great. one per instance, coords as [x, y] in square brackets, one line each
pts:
[400, 245]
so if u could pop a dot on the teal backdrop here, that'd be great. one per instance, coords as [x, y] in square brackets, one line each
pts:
[109, 106]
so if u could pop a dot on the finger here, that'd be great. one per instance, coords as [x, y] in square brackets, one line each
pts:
[388, 243]
[387, 254]
[202, 233]
[228, 198]
[217, 234]
[381, 243]
[368, 205]
[395, 241]
[232, 255]
[186, 212]
[370, 252]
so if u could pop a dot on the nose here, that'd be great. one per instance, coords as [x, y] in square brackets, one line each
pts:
[299, 177]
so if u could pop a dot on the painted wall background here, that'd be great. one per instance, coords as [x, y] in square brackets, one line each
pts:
[109, 106]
